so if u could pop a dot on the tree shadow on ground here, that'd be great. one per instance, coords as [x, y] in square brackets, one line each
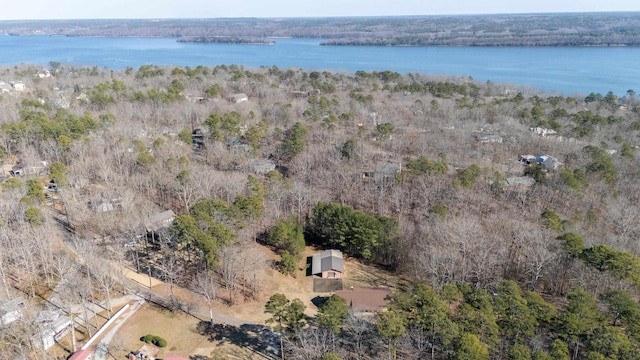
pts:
[259, 339]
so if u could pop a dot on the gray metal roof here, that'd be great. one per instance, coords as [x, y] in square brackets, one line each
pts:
[262, 166]
[11, 305]
[160, 220]
[327, 260]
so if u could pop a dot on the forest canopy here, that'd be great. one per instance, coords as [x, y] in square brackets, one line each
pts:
[510, 217]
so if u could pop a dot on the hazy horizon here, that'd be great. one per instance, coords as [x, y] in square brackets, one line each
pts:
[204, 9]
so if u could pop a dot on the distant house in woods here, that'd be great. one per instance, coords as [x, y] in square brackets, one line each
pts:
[197, 139]
[42, 74]
[50, 332]
[159, 221]
[11, 310]
[518, 183]
[491, 138]
[328, 264]
[156, 228]
[18, 86]
[4, 88]
[543, 131]
[82, 355]
[527, 159]
[261, 166]
[386, 171]
[548, 162]
[38, 168]
[238, 98]
[365, 299]
[106, 205]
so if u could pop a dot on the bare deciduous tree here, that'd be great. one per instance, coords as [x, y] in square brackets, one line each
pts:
[207, 286]
[231, 269]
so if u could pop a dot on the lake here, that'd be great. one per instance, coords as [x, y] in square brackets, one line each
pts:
[564, 70]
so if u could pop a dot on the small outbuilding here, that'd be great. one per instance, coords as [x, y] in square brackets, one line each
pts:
[328, 264]
[238, 98]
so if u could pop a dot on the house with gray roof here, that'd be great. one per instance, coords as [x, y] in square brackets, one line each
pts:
[261, 166]
[518, 183]
[159, 221]
[328, 264]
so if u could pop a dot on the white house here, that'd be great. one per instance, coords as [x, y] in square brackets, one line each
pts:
[18, 86]
[43, 74]
[4, 88]
[543, 131]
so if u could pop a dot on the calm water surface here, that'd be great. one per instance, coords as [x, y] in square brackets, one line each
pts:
[556, 69]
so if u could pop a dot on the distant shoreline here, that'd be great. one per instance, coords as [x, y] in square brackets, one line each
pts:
[343, 43]
[614, 29]
[233, 40]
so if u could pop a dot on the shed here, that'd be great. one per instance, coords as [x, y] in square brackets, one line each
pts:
[328, 264]
[365, 299]
[238, 98]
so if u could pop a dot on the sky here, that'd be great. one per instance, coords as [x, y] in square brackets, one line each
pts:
[154, 9]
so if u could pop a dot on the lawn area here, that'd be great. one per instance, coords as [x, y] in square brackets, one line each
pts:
[299, 286]
[180, 331]
[177, 328]
[228, 342]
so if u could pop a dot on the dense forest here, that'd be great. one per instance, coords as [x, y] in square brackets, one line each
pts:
[513, 216]
[570, 29]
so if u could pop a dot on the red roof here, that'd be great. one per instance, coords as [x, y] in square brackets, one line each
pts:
[81, 355]
[365, 299]
[174, 357]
